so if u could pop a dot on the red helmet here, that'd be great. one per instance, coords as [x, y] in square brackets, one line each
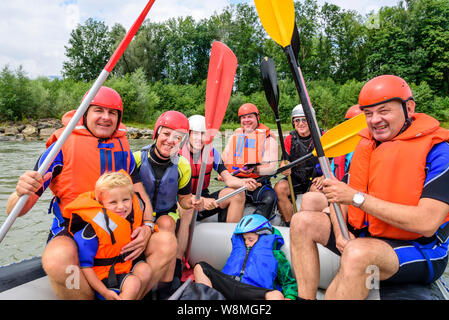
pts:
[171, 119]
[108, 98]
[353, 111]
[248, 108]
[384, 89]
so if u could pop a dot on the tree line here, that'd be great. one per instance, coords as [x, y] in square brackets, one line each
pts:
[165, 66]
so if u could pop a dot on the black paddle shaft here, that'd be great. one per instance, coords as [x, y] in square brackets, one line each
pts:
[300, 86]
[314, 130]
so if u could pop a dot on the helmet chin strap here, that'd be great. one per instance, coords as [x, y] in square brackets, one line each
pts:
[408, 120]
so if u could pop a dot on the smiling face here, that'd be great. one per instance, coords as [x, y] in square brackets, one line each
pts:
[249, 122]
[168, 142]
[196, 139]
[301, 126]
[102, 121]
[118, 200]
[384, 121]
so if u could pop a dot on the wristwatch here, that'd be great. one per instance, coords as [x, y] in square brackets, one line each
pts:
[153, 227]
[358, 199]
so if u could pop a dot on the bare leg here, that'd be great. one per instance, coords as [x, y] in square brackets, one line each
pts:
[200, 277]
[284, 204]
[306, 230]
[313, 201]
[274, 295]
[160, 255]
[131, 288]
[60, 262]
[235, 205]
[143, 271]
[183, 231]
[354, 275]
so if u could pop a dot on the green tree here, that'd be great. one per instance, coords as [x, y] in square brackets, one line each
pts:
[88, 51]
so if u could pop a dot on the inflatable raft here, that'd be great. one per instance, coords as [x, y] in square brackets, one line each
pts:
[26, 280]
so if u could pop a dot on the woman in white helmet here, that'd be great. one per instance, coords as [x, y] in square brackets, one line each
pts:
[192, 151]
[297, 144]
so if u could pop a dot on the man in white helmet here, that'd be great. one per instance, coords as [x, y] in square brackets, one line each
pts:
[192, 151]
[297, 144]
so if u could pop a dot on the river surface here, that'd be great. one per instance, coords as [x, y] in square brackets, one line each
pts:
[28, 234]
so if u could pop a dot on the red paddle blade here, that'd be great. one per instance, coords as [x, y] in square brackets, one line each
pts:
[220, 80]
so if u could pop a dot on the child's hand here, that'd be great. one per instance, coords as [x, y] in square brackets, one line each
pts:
[111, 295]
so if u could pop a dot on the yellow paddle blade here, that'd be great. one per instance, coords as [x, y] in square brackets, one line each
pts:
[343, 138]
[278, 19]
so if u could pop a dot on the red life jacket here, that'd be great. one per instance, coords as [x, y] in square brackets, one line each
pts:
[394, 171]
[339, 167]
[86, 159]
[185, 152]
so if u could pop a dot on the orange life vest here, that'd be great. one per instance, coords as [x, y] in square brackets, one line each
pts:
[196, 166]
[246, 149]
[86, 159]
[104, 222]
[394, 171]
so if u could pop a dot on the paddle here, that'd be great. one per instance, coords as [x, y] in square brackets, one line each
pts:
[278, 20]
[270, 85]
[336, 142]
[78, 114]
[220, 80]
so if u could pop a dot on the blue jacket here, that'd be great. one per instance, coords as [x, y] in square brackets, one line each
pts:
[257, 265]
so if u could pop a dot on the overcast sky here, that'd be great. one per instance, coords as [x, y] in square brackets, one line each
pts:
[33, 33]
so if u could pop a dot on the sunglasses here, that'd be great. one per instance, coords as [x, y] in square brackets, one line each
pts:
[298, 120]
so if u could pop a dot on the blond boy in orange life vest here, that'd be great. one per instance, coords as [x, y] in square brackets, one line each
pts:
[110, 214]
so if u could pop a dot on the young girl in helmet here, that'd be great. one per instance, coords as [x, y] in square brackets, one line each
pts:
[165, 177]
[102, 222]
[256, 269]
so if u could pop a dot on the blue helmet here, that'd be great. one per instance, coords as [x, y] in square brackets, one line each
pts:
[254, 223]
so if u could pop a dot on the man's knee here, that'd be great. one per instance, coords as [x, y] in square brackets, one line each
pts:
[167, 223]
[356, 256]
[310, 224]
[164, 243]
[281, 188]
[313, 201]
[60, 253]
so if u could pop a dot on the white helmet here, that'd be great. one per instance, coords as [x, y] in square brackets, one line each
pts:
[298, 111]
[197, 123]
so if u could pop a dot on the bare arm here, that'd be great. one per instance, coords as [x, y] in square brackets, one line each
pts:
[189, 201]
[142, 234]
[270, 156]
[234, 182]
[424, 218]
[29, 183]
[148, 213]
[99, 286]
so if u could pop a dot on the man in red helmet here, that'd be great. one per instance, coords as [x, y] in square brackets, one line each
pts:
[166, 179]
[253, 152]
[396, 201]
[97, 144]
